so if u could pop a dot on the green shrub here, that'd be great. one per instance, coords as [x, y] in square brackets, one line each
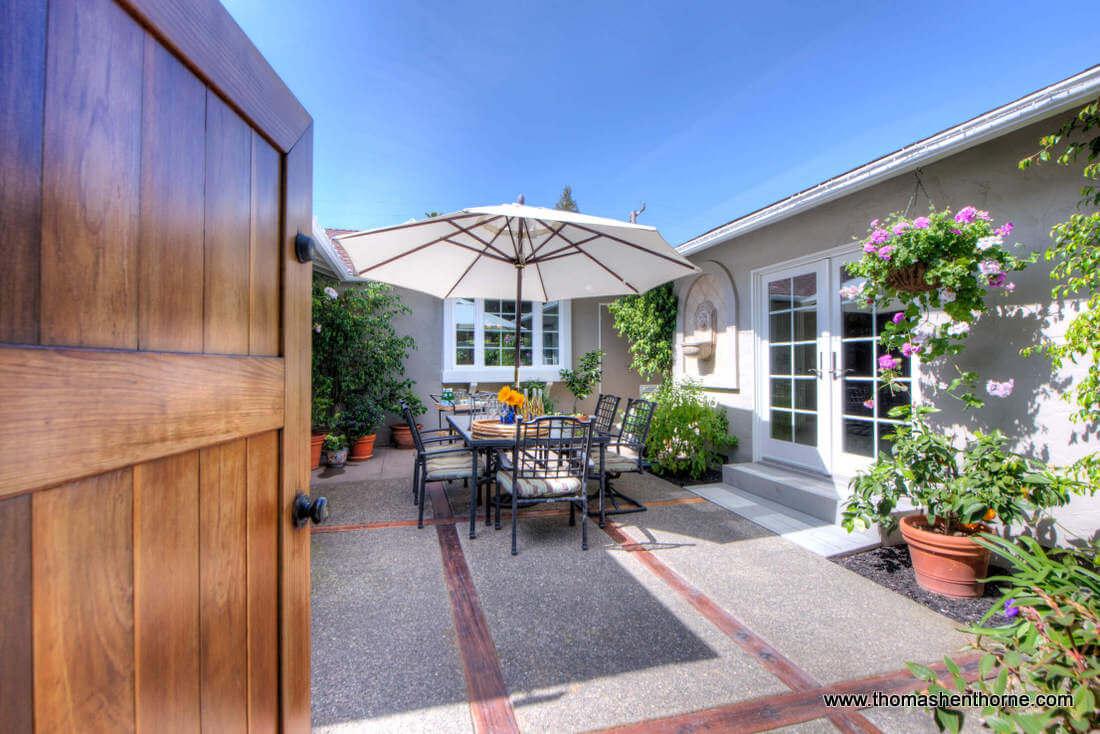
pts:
[1052, 646]
[688, 431]
[648, 322]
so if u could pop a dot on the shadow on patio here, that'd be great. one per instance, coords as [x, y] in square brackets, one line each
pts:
[579, 640]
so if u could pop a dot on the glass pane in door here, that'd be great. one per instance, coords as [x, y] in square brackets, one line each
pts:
[865, 401]
[793, 358]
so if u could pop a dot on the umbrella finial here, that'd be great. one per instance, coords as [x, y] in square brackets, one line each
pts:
[519, 199]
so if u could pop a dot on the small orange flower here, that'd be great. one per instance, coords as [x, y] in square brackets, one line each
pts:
[502, 396]
[989, 515]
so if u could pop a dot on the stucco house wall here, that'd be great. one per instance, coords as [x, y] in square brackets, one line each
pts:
[986, 176]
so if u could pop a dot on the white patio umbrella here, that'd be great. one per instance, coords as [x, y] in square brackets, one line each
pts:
[514, 250]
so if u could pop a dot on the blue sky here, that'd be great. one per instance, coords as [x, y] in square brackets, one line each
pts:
[705, 111]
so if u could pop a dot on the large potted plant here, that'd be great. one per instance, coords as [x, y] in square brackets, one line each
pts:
[957, 493]
[688, 433]
[357, 349]
[359, 422]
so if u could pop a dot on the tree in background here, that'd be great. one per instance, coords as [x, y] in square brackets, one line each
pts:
[566, 203]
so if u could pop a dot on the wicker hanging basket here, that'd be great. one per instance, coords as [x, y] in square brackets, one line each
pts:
[910, 279]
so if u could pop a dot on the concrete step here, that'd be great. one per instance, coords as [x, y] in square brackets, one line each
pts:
[813, 534]
[810, 494]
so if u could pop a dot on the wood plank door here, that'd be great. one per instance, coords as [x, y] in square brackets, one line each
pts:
[154, 359]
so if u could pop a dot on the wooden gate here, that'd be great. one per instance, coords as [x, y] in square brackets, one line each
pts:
[154, 357]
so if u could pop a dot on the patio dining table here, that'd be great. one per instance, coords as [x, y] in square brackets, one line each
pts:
[489, 445]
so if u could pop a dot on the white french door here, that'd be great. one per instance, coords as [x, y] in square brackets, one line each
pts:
[794, 307]
[821, 406]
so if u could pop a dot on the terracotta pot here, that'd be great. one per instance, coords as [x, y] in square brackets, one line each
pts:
[945, 564]
[315, 441]
[336, 457]
[363, 449]
[402, 436]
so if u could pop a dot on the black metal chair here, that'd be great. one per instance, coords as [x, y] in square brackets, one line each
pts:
[549, 464]
[625, 454]
[437, 465]
[606, 408]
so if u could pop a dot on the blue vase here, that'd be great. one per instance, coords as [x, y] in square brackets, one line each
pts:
[509, 415]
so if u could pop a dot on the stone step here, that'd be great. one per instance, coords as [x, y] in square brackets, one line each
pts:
[813, 534]
[811, 494]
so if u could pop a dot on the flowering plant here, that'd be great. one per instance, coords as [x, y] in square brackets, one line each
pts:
[939, 262]
[511, 397]
[956, 490]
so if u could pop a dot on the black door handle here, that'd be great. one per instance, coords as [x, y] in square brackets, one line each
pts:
[305, 510]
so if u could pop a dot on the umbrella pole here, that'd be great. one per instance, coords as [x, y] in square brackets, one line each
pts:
[519, 315]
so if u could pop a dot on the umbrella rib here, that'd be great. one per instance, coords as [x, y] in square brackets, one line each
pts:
[553, 233]
[418, 248]
[593, 259]
[621, 241]
[474, 262]
[542, 283]
[550, 256]
[481, 251]
[508, 223]
[488, 244]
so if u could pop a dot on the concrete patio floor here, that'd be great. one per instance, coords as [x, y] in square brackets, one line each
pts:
[687, 617]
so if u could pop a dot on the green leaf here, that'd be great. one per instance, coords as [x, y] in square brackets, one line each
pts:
[948, 720]
[922, 671]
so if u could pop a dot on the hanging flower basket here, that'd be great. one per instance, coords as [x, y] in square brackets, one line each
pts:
[910, 279]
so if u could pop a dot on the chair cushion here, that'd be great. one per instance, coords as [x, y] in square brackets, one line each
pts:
[449, 466]
[535, 487]
[617, 459]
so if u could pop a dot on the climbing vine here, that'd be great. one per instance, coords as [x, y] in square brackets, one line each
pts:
[648, 322]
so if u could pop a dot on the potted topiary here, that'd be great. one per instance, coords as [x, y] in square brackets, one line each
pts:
[335, 449]
[587, 375]
[957, 494]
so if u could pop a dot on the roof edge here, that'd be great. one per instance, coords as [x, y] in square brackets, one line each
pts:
[1002, 120]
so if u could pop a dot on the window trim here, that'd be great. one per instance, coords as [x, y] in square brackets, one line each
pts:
[478, 372]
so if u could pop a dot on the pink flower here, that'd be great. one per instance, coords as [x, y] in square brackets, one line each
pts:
[966, 215]
[989, 267]
[884, 252]
[850, 292]
[985, 215]
[1010, 286]
[898, 317]
[997, 280]
[874, 222]
[879, 236]
[984, 243]
[869, 247]
[901, 227]
[869, 404]
[1000, 389]
[922, 223]
[909, 349]
[888, 362]
[1005, 229]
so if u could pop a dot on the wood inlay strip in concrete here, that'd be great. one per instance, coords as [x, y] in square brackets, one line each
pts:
[788, 709]
[489, 704]
[774, 661]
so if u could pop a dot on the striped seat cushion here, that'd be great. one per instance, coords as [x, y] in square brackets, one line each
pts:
[532, 487]
[449, 466]
[617, 459]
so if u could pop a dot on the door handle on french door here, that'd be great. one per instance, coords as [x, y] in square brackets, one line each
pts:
[835, 373]
[816, 372]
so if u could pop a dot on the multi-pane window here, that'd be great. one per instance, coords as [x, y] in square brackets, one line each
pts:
[480, 338]
[500, 333]
[865, 400]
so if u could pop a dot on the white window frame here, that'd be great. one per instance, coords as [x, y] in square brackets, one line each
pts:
[478, 372]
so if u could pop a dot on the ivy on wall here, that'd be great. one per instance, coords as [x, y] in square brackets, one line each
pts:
[648, 322]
